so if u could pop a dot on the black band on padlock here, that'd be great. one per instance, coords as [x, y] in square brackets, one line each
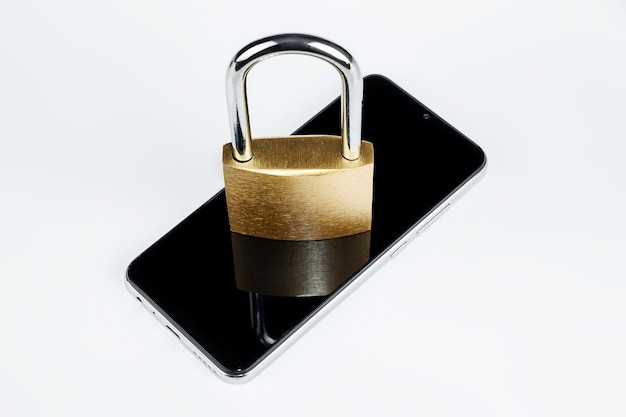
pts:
[297, 268]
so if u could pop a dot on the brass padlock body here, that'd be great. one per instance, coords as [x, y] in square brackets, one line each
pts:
[299, 188]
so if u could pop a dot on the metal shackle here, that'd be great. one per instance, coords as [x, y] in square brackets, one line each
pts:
[252, 54]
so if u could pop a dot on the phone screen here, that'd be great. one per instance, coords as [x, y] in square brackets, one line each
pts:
[189, 273]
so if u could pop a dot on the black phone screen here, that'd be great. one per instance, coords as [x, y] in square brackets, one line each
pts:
[188, 274]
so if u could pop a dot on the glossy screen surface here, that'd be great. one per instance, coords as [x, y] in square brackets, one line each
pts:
[188, 274]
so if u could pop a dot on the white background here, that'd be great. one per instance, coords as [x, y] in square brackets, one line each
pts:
[112, 118]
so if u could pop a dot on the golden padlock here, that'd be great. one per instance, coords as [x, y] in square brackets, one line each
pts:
[307, 187]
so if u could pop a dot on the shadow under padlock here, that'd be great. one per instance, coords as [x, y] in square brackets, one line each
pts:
[297, 268]
[292, 270]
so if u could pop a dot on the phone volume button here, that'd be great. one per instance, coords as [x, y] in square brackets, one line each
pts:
[402, 245]
[432, 219]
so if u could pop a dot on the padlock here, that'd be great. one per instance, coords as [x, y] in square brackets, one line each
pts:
[307, 187]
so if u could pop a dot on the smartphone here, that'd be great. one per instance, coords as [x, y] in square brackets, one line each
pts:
[187, 278]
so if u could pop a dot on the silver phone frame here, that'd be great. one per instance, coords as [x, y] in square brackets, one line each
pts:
[332, 301]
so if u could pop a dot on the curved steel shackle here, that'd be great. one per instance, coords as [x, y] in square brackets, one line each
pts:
[244, 60]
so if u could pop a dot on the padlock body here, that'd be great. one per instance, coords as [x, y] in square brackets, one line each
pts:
[299, 188]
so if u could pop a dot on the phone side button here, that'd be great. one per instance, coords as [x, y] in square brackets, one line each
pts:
[432, 219]
[398, 249]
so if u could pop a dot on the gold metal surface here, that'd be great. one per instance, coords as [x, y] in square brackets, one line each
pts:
[299, 188]
[297, 268]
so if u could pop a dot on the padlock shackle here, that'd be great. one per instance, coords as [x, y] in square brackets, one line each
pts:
[252, 54]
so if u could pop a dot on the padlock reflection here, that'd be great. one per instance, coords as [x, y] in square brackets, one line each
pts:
[297, 268]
